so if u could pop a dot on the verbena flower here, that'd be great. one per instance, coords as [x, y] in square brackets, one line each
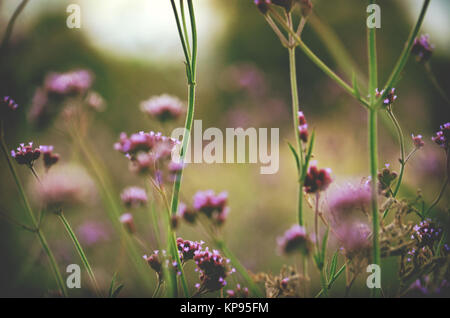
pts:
[73, 82]
[426, 233]
[442, 137]
[133, 197]
[263, 5]
[422, 48]
[295, 240]
[213, 270]
[417, 141]
[302, 127]
[188, 248]
[212, 205]
[238, 292]
[49, 157]
[355, 240]
[154, 261]
[317, 180]
[186, 213]
[164, 107]
[9, 102]
[128, 222]
[25, 154]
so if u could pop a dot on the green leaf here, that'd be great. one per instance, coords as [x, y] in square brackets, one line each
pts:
[294, 152]
[111, 286]
[333, 265]
[324, 245]
[355, 86]
[117, 291]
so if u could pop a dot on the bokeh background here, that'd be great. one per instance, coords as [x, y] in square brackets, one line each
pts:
[133, 49]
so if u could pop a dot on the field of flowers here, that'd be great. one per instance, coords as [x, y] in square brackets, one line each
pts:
[232, 149]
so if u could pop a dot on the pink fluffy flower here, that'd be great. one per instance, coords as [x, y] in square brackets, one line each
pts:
[164, 107]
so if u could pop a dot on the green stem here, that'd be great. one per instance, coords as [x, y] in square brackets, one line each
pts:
[239, 267]
[183, 19]
[401, 62]
[402, 150]
[332, 280]
[10, 26]
[324, 283]
[39, 233]
[316, 60]
[80, 251]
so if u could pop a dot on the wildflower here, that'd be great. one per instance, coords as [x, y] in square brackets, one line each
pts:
[127, 220]
[303, 132]
[49, 157]
[390, 97]
[426, 233]
[417, 141]
[64, 186]
[286, 4]
[133, 197]
[295, 240]
[188, 248]
[95, 101]
[91, 233]
[212, 205]
[173, 168]
[317, 180]
[144, 142]
[213, 270]
[442, 137]
[385, 179]
[26, 155]
[9, 102]
[263, 5]
[187, 214]
[239, 292]
[301, 118]
[349, 203]
[164, 107]
[154, 262]
[73, 82]
[355, 240]
[422, 48]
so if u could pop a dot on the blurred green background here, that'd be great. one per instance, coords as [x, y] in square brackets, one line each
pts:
[134, 52]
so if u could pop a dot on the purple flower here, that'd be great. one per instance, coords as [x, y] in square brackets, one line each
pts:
[390, 97]
[213, 270]
[188, 248]
[144, 142]
[26, 155]
[317, 180]
[127, 220]
[49, 157]
[187, 214]
[355, 238]
[154, 262]
[73, 82]
[295, 240]
[426, 233]
[286, 4]
[164, 107]
[422, 48]
[303, 132]
[134, 197]
[212, 205]
[263, 5]
[442, 137]
[9, 102]
[238, 292]
[417, 141]
[93, 232]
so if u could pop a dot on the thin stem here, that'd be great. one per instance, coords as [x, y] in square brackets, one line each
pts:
[323, 281]
[402, 150]
[401, 62]
[10, 26]
[39, 233]
[239, 267]
[180, 33]
[332, 280]
[316, 60]
[183, 19]
[277, 31]
[80, 251]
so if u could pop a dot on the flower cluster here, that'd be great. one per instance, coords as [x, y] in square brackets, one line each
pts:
[134, 197]
[213, 270]
[9, 102]
[238, 292]
[26, 155]
[390, 96]
[187, 214]
[422, 48]
[317, 180]
[128, 222]
[385, 179]
[295, 240]
[212, 206]
[426, 233]
[302, 127]
[442, 137]
[426, 287]
[417, 141]
[73, 82]
[49, 157]
[187, 249]
[164, 107]
[154, 261]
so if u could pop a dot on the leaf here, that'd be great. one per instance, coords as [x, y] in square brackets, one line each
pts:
[333, 265]
[355, 86]
[117, 291]
[294, 152]
[111, 286]
[324, 245]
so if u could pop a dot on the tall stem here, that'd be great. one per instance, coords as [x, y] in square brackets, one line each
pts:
[39, 233]
[80, 252]
[10, 26]
[402, 151]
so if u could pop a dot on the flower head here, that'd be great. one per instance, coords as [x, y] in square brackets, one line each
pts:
[263, 5]
[212, 205]
[50, 158]
[9, 102]
[355, 239]
[422, 48]
[186, 213]
[154, 262]
[188, 248]
[303, 132]
[134, 197]
[390, 97]
[127, 220]
[238, 292]
[286, 4]
[26, 155]
[442, 137]
[317, 180]
[164, 107]
[73, 82]
[295, 240]
[417, 141]
[426, 233]
[213, 270]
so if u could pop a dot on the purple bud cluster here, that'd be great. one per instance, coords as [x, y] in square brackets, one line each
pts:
[442, 137]
[422, 48]
[295, 240]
